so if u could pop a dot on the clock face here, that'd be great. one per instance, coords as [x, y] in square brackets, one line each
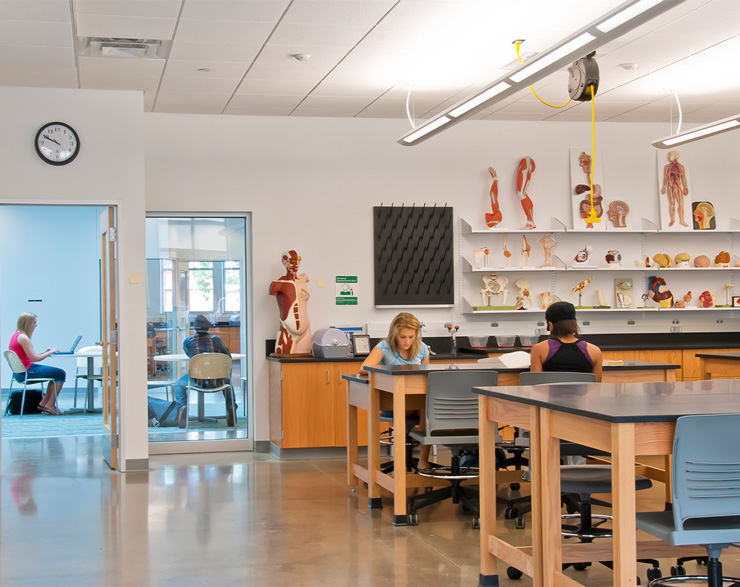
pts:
[57, 143]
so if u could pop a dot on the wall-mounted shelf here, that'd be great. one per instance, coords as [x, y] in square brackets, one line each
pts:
[562, 278]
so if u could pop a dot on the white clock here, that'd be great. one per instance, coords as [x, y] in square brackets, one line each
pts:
[57, 143]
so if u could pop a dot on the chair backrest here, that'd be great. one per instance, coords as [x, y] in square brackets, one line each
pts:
[92, 350]
[210, 366]
[451, 403]
[541, 377]
[706, 468]
[14, 362]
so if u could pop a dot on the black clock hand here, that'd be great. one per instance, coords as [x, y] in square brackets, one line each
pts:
[48, 138]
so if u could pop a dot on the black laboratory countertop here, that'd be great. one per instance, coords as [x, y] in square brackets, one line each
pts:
[442, 346]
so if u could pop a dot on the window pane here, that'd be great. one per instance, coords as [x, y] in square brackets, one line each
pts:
[200, 284]
[232, 287]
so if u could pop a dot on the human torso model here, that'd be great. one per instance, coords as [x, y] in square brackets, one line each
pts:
[524, 175]
[291, 292]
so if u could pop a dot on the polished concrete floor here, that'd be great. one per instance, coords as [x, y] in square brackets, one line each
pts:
[224, 519]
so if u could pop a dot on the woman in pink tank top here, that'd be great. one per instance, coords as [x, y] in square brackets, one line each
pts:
[21, 345]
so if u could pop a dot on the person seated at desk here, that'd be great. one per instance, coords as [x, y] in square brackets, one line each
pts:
[21, 345]
[563, 351]
[202, 342]
[403, 346]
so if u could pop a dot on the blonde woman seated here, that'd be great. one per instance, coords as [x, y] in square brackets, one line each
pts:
[403, 346]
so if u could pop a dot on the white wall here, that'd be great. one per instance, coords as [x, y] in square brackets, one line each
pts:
[108, 171]
[311, 184]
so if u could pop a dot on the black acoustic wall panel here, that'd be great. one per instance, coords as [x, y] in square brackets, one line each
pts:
[413, 256]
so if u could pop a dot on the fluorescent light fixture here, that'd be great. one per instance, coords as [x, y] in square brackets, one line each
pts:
[608, 27]
[427, 128]
[549, 58]
[625, 15]
[694, 134]
[479, 99]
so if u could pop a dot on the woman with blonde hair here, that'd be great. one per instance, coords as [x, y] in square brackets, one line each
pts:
[21, 345]
[403, 346]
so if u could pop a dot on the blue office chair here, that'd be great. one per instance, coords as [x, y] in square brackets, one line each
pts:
[451, 420]
[706, 493]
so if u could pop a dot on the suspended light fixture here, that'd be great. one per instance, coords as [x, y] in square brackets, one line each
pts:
[699, 132]
[608, 27]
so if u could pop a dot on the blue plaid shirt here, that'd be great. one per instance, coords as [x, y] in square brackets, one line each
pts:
[202, 342]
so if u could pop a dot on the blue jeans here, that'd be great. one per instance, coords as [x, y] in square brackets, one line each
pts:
[36, 371]
[181, 395]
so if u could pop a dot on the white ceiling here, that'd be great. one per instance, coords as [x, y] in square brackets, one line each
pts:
[235, 56]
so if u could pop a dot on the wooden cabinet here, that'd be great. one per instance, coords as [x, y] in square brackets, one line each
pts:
[692, 365]
[231, 335]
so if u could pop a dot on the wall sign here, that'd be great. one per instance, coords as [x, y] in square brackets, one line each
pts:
[346, 290]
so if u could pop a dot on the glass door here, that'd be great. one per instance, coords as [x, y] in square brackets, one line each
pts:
[197, 293]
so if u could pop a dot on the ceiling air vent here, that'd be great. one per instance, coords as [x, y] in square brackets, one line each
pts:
[123, 48]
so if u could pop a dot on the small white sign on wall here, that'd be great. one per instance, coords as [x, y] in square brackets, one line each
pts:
[346, 290]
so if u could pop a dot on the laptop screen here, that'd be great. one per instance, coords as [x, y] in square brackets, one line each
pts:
[75, 343]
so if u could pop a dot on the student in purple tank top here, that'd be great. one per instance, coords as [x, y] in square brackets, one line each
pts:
[563, 351]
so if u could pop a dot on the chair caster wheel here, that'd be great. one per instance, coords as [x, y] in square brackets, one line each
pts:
[514, 486]
[476, 523]
[413, 519]
[519, 523]
[654, 573]
[678, 571]
[513, 573]
[510, 513]
[581, 566]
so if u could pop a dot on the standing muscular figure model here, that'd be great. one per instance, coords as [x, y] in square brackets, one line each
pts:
[495, 217]
[524, 174]
[674, 182]
[294, 336]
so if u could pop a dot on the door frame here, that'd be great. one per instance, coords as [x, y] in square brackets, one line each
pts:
[247, 348]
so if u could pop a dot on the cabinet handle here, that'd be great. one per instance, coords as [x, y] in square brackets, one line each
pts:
[328, 376]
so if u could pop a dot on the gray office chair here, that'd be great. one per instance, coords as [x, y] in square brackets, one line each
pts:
[17, 367]
[207, 367]
[451, 420]
[706, 493]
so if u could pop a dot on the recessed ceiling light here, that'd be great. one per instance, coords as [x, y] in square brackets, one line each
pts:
[301, 56]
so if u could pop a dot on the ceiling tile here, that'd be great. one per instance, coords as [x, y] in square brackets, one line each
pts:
[309, 34]
[35, 10]
[203, 85]
[223, 31]
[234, 52]
[41, 34]
[126, 27]
[43, 58]
[340, 12]
[139, 8]
[245, 101]
[242, 10]
[121, 66]
[218, 69]
[272, 87]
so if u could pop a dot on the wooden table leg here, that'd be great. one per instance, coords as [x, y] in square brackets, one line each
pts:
[547, 466]
[399, 457]
[487, 480]
[373, 446]
[623, 504]
[352, 440]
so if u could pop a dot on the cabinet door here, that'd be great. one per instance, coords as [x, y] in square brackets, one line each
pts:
[308, 405]
[340, 405]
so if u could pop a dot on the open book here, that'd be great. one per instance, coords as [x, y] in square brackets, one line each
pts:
[515, 360]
